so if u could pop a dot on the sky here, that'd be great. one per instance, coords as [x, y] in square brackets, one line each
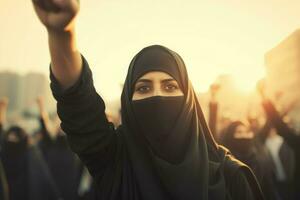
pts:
[213, 37]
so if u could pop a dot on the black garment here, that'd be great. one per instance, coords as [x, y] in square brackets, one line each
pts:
[284, 188]
[25, 170]
[16, 170]
[213, 118]
[257, 158]
[64, 166]
[14, 157]
[290, 137]
[3, 180]
[34, 178]
[122, 162]
[3, 183]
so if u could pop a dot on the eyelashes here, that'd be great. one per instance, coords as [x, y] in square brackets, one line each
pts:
[145, 88]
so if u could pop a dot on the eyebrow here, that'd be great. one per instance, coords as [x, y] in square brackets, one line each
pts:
[144, 81]
[148, 81]
[168, 80]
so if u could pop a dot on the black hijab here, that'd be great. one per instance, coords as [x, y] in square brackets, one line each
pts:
[196, 175]
[15, 162]
[242, 148]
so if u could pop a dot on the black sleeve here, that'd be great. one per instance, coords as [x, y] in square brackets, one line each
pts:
[263, 133]
[239, 187]
[82, 112]
[213, 116]
[1, 135]
[44, 131]
[282, 128]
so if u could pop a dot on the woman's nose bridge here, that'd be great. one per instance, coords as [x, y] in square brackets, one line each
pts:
[157, 91]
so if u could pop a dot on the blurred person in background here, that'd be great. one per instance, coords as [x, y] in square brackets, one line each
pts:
[3, 180]
[282, 157]
[24, 167]
[253, 124]
[239, 139]
[64, 166]
[213, 110]
[291, 138]
[218, 122]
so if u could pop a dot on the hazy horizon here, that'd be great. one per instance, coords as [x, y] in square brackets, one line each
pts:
[213, 37]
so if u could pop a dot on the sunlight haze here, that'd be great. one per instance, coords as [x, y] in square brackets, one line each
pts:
[213, 37]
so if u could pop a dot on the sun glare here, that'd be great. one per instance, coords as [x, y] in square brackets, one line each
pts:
[246, 82]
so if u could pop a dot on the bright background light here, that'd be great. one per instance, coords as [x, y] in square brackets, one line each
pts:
[213, 37]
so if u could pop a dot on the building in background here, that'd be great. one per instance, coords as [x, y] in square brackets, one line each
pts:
[10, 87]
[283, 73]
[22, 91]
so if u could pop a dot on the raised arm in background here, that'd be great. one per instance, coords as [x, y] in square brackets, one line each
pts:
[44, 120]
[3, 110]
[213, 110]
[276, 119]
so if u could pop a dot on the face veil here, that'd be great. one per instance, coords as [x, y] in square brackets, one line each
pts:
[185, 164]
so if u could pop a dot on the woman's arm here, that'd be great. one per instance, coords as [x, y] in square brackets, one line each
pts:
[3, 110]
[213, 111]
[282, 128]
[262, 135]
[58, 16]
[276, 119]
[44, 121]
[83, 119]
[80, 108]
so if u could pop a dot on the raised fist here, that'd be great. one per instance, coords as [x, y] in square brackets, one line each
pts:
[57, 15]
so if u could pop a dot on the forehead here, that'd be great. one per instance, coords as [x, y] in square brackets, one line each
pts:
[156, 75]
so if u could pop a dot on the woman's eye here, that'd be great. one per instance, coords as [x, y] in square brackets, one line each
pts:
[171, 87]
[143, 89]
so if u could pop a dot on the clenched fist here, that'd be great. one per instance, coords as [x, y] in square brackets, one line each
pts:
[57, 15]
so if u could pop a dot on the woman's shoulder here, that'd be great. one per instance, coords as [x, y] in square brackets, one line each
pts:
[239, 187]
[240, 180]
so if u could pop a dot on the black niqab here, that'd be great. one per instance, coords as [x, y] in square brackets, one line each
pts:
[15, 162]
[239, 147]
[199, 173]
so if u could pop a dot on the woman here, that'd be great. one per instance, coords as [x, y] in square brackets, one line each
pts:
[25, 169]
[163, 149]
[64, 166]
[240, 140]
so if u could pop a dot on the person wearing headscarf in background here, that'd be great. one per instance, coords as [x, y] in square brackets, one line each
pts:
[3, 179]
[65, 168]
[23, 166]
[239, 139]
[163, 149]
[280, 155]
[288, 135]
[25, 169]
[282, 158]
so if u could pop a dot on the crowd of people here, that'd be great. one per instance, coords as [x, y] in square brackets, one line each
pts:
[270, 149]
[40, 165]
[163, 148]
